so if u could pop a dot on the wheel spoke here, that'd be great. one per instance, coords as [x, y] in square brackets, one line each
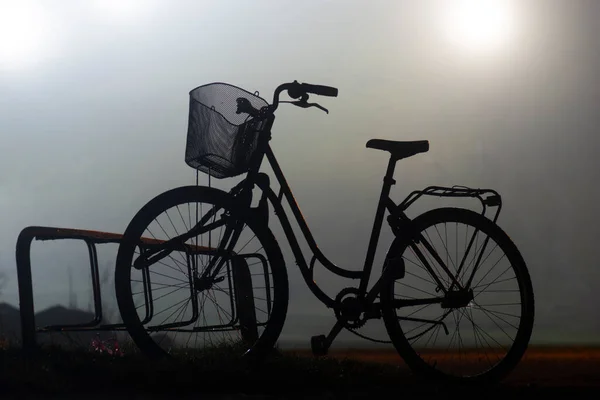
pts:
[481, 333]
[188, 311]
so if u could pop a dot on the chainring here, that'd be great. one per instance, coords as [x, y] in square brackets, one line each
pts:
[352, 322]
[348, 309]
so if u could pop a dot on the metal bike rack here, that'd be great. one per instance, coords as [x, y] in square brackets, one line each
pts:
[91, 238]
[23, 259]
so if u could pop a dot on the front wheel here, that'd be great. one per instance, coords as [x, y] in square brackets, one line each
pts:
[477, 336]
[170, 306]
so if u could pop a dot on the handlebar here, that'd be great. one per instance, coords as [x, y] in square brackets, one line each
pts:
[318, 90]
[298, 90]
[295, 90]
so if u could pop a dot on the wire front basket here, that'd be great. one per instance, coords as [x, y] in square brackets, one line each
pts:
[219, 141]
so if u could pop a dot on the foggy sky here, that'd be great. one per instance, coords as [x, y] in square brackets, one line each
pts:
[97, 127]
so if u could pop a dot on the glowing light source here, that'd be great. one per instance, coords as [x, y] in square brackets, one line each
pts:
[24, 34]
[478, 25]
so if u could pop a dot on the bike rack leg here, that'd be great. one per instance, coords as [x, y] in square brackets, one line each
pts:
[95, 282]
[26, 308]
[25, 284]
[96, 293]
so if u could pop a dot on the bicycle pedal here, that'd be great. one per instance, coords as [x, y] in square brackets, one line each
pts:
[319, 345]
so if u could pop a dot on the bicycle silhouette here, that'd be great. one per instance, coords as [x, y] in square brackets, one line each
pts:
[205, 278]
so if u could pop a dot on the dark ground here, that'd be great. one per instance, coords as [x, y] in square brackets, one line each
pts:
[572, 372]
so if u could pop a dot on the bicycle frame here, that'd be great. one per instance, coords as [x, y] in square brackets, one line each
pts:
[400, 223]
[385, 203]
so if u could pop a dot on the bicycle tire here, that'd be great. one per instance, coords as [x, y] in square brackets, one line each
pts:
[193, 194]
[525, 326]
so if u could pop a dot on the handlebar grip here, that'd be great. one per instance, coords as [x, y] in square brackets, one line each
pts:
[320, 90]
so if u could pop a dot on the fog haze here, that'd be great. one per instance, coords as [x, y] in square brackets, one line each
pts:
[96, 126]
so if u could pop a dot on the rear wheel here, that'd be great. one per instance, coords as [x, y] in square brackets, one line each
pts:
[479, 337]
[168, 306]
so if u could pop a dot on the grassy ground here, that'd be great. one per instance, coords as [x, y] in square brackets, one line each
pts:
[284, 375]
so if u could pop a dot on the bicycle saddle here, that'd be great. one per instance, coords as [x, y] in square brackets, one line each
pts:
[399, 150]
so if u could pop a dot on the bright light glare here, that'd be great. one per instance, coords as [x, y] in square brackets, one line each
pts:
[23, 33]
[478, 25]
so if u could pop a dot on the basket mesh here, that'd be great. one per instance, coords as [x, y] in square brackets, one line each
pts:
[219, 141]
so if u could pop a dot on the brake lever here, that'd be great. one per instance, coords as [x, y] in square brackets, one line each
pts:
[304, 104]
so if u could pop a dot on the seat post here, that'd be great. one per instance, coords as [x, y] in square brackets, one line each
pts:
[388, 181]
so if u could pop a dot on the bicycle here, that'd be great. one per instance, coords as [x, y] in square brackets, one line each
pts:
[229, 130]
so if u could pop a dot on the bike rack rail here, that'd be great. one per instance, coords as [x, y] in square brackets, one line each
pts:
[25, 283]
